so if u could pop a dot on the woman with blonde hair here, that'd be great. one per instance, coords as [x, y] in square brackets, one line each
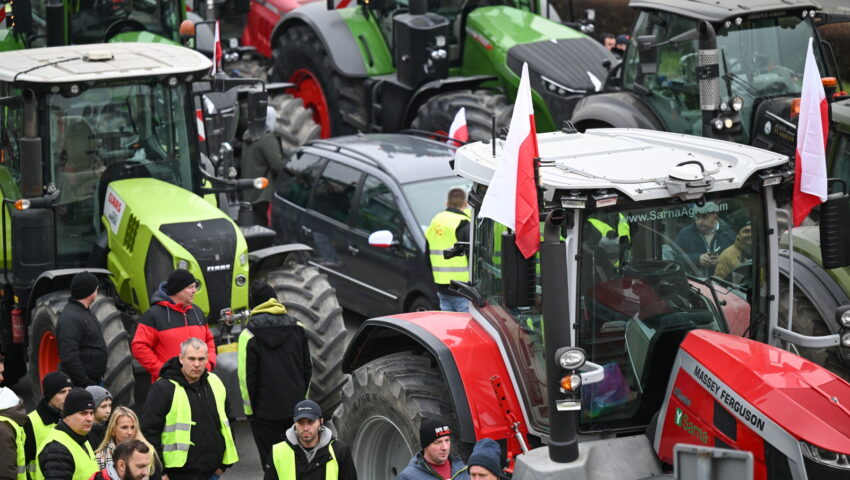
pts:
[124, 425]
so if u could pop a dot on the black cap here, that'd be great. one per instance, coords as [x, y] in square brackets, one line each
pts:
[53, 382]
[431, 429]
[178, 280]
[261, 292]
[82, 285]
[78, 399]
[306, 409]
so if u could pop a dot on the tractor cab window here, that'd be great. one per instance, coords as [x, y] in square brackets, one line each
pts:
[648, 275]
[840, 158]
[95, 21]
[11, 129]
[112, 133]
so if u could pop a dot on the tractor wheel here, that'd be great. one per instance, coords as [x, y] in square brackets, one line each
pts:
[338, 103]
[383, 404]
[249, 67]
[44, 350]
[438, 112]
[311, 300]
[295, 125]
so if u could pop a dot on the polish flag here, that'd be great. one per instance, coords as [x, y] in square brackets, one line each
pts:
[218, 53]
[458, 131]
[511, 198]
[810, 183]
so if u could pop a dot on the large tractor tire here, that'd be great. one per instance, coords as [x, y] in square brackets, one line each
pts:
[807, 321]
[383, 404]
[44, 349]
[311, 300]
[295, 125]
[438, 112]
[338, 103]
[248, 67]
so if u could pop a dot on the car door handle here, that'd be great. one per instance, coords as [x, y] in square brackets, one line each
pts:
[306, 230]
[354, 250]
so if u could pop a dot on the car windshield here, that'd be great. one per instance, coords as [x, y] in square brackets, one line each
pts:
[111, 133]
[762, 57]
[427, 198]
[94, 22]
[650, 273]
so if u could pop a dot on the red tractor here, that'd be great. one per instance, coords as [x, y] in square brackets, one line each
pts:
[598, 355]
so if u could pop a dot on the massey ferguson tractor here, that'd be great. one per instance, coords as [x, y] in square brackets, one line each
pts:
[100, 169]
[614, 343]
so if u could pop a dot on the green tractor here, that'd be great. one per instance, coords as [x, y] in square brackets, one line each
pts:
[388, 65]
[101, 169]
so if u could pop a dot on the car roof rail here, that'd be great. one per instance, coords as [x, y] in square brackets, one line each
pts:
[350, 151]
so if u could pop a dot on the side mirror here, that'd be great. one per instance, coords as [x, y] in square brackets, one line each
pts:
[647, 54]
[518, 274]
[835, 228]
[205, 38]
[257, 102]
[381, 239]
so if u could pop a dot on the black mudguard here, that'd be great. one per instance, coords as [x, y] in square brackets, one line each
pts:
[59, 279]
[816, 284]
[614, 109]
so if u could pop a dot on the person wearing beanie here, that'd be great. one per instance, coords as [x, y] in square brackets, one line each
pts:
[13, 417]
[102, 410]
[171, 319]
[274, 367]
[485, 461]
[741, 250]
[55, 388]
[82, 349]
[66, 452]
[435, 460]
[309, 451]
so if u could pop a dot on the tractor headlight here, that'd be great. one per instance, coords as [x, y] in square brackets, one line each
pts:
[243, 259]
[571, 358]
[241, 280]
[823, 456]
[183, 264]
[737, 104]
[845, 340]
[843, 316]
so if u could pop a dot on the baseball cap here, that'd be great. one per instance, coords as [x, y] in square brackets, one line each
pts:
[306, 409]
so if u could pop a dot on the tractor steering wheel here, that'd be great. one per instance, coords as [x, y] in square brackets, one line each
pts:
[123, 26]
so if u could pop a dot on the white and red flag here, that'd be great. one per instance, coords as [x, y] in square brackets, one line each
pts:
[511, 198]
[810, 188]
[217, 54]
[459, 131]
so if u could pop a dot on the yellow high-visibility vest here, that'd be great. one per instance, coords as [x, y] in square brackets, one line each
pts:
[284, 462]
[441, 236]
[20, 436]
[85, 464]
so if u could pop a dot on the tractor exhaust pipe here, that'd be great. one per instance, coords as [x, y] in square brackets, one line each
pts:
[708, 73]
[56, 34]
[563, 444]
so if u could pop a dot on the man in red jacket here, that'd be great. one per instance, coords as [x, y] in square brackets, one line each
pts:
[172, 319]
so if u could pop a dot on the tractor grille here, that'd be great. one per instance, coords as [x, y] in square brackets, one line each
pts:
[213, 245]
[130, 235]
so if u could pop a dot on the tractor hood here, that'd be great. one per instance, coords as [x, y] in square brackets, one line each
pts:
[154, 203]
[772, 391]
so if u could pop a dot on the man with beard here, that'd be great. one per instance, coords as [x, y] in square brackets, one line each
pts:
[702, 241]
[66, 452]
[131, 460]
[435, 460]
[55, 387]
[309, 451]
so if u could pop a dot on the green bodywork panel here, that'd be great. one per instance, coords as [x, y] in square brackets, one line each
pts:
[144, 37]
[807, 243]
[9, 41]
[491, 32]
[368, 30]
[152, 202]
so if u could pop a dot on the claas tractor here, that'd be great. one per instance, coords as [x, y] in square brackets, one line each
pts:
[101, 169]
[619, 343]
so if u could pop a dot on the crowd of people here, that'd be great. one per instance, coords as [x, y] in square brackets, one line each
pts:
[182, 431]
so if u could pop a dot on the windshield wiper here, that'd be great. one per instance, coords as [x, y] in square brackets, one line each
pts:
[708, 283]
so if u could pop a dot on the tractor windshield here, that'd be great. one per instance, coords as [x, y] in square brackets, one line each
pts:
[96, 21]
[648, 274]
[110, 133]
[760, 58]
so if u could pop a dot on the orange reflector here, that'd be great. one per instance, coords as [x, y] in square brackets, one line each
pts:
[22, 204]
[187, 28]
[795, 108]
[829, 81]
[567, 382]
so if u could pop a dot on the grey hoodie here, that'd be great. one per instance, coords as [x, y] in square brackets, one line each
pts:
[325, 437]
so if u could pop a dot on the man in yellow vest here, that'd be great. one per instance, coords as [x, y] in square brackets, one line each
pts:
[447, 228]
[55, 388]
[186, 417]
[309, 451]
[66, 453]
[13, 416]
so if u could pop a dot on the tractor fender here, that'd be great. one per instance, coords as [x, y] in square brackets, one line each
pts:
[275, 256]
[435, 87]
[59, 279]
[817, 285]
[334, 33]
[466, 355]
[615, 109]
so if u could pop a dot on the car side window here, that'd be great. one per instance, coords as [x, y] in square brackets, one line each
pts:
[378, 209]
[298, 175]
[334, 191]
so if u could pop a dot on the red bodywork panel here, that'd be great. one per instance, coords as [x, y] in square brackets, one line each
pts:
[734, 392]
[262, 18]
[478, 359]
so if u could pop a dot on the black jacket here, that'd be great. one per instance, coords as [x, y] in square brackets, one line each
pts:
[315, 470]
[9, 437]
[82, 350]
[207, 449]
[56, 461]
[49, 415]
[278, 365]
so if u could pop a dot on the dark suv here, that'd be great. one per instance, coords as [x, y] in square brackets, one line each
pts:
[333, 194]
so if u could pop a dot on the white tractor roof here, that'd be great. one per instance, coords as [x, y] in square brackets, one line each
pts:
[107, 61]
[637, 163]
